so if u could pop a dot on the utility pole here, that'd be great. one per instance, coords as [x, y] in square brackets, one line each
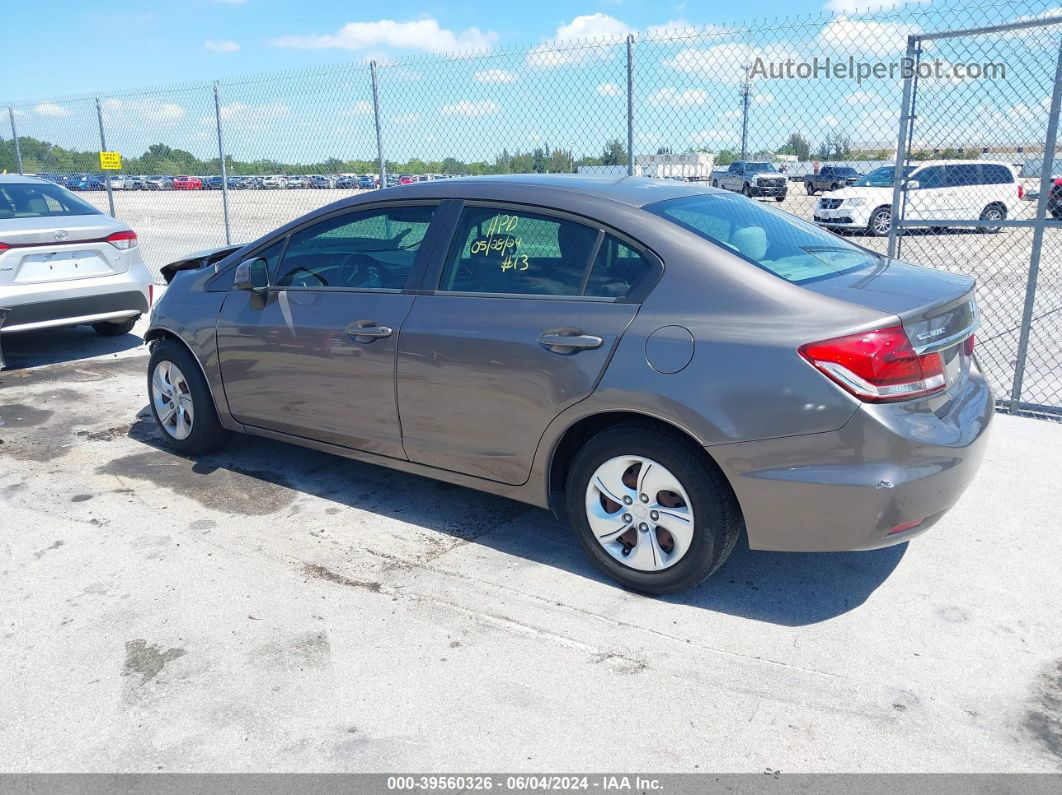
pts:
[746, 89]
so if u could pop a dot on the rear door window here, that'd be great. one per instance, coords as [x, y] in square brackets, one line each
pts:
[962, 175]
[995, 174]
[617, 269]
[513, 252]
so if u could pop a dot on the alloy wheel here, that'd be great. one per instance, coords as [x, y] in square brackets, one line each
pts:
[172, 399]
[640, 513]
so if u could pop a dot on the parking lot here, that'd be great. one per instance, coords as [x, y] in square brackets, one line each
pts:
[272, 608]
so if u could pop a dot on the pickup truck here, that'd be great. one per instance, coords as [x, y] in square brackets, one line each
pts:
[830, 178]
[751, 179]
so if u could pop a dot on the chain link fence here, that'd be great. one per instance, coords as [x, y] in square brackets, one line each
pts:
[818, 99]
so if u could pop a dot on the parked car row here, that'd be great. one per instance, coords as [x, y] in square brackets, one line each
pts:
[130, 182]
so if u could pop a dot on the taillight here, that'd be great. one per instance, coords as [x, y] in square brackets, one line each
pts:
[968, 345]
[1021, 191]
[1058, 182]
[151, 294]
[122, 240]
[877, 366]
[4, 246]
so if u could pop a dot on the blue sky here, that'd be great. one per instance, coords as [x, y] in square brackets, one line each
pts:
[508, 93]
[79, 47]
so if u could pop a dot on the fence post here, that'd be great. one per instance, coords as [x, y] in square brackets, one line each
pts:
[903, 142]
[224, 173]
[1038, 235]
[630, 104]
[103, 148]
[14, 134]
[376, 121]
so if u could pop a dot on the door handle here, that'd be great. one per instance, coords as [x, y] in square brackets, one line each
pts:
[367, 331]
[560, 342]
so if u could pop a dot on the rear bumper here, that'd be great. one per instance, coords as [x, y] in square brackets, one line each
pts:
[890, 465]
[71, 303]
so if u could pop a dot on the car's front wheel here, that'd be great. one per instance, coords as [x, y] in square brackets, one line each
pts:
[109, 329]
[181, 401]
[650, 510]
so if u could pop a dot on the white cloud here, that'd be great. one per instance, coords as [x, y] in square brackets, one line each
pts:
[682, 99]
[676, 28]
[725, 63]
[128, 111]
[495, 76]
[858, 98]
[608, 89]
[467, 107]
[707, 137]
[852, 6]
[243, 112]
[426, 35]
[223, 45]
[51, 110]
[829, 121]
[863, 36]
[580, 40]
[359, 108]
[406, 118]
[763, 98]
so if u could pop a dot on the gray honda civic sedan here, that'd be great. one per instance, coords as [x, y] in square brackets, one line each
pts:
[661, 364]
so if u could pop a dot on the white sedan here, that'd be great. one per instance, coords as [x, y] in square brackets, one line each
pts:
[65, 263]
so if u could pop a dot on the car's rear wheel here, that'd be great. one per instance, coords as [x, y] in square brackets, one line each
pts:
[109, 329]
[810, 187]
[993, 212]
[181, 402]
[880, 221]
[747, 191]
[650, 510]
[779, 198]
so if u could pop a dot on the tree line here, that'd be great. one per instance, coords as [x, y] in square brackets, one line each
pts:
[42, 157]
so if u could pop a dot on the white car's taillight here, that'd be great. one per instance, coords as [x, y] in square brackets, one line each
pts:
[877, 366]
[123, 240]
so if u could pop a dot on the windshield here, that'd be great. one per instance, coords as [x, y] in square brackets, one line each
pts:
[40, 200]
[795, 250]
[881, 177]
[759, 167]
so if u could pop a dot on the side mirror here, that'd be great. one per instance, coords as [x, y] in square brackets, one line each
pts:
[913, 184]
[252, 274]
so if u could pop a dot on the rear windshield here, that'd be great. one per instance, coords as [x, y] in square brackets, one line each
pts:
[40, 200]
[795, 250]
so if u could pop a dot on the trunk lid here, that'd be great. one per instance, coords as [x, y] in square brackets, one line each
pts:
[936, 308]
[52, 250]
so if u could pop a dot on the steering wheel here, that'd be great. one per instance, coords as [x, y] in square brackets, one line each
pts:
[301, 272]
[363, 269]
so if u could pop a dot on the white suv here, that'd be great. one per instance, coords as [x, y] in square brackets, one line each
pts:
[937, 189]
[64, 263]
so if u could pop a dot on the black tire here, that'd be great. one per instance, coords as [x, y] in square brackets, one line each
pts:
[746, 191]
[810, 187]
[834, 186]
[108, 329]
[207, 434]
[992, 212]
[718, 517]
[779, 198]
[875, 229]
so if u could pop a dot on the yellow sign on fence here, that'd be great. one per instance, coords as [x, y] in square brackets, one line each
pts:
[111, 161]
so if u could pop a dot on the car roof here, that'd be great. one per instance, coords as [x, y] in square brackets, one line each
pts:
[633, 191]
[961, 163]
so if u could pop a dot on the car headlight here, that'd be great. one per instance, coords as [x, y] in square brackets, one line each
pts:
[854, 202]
